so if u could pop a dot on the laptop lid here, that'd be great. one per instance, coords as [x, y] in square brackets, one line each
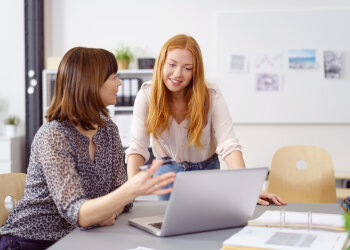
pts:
[209, 200]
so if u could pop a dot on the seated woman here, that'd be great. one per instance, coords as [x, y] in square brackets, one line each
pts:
[76, 174]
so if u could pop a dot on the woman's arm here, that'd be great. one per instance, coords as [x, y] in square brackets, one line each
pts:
[235, 160]
[100, 209]
[138, 153]
[134, 162]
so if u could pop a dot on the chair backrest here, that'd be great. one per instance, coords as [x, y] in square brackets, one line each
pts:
[10, 185]
[302, 174]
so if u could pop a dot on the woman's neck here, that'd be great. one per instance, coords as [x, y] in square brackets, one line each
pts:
[178, 107]
[178, 96]
[87, 133]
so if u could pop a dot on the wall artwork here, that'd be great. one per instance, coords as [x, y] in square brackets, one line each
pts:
[332, 64]
[238, 63]
[268, 82]
[268, 61]
[302, 59]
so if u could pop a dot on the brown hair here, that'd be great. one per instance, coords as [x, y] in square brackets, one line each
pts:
[80, 76]
[196, 97]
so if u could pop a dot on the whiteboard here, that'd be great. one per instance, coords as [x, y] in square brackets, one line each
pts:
[306, 96]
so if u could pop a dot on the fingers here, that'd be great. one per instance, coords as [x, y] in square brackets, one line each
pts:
[163, 183]
[271, 197]
[155, 165]
[163, 191]
[263, 202]
[157, 183]
[276, 201]
[280, 201]
[163, 179]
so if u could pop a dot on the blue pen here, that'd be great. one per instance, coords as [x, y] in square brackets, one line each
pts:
[147, 166]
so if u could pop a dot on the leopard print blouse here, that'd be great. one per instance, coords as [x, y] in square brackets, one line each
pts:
[61, 176]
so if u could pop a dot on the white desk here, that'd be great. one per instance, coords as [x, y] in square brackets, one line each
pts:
[123, 236]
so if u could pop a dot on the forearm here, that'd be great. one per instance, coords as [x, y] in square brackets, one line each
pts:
[97, 210]
[133, 164]
[235, 160]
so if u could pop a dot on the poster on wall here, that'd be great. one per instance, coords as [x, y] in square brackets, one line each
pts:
[302, 58]
[268, 61]
[332, 64]
[238, 63]
[268, 82]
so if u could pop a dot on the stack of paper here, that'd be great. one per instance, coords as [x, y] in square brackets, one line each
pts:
[285, 230]
[284, 239]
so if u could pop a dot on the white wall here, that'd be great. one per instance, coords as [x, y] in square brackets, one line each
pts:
[12, 81]
[146, 25]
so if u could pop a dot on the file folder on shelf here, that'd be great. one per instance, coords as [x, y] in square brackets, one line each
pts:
[134, 89]
[128, 91]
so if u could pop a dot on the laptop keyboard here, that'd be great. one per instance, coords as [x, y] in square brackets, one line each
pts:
[156, 225]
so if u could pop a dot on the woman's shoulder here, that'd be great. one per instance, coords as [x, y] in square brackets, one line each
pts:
[107, 119]
[145, 90]
[110, 124]
[52, 132]
[214, 91]
[53, 127]
[146, 86]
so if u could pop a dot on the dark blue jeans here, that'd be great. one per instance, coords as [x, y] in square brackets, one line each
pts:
[18, 243]
[211, 163]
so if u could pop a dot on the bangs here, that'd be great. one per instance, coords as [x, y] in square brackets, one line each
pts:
[110, 65]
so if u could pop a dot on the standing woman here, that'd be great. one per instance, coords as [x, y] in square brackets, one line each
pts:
[187, 119]
[76, 174]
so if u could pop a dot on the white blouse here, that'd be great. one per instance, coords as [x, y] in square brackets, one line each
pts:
[218, 135]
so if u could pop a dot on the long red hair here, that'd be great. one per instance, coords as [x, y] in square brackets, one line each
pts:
[196, 93]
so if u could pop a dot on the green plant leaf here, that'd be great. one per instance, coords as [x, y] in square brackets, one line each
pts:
[123, 52]
[347, 222]
[11, 120]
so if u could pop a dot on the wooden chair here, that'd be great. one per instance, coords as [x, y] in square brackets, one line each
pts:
[302, 174]
[10, 185]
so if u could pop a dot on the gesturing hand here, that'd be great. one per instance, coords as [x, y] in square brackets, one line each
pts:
[143, 183]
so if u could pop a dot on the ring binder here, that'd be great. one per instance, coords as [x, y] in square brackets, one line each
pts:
[309, 220]
[306, 220]
[282, 218]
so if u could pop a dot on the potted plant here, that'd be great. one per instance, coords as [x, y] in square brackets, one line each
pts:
[123, 55]
[11, 123]
[347, 224]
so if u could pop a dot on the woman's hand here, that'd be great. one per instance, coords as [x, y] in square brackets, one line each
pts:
[143, 184]
[266, 198]
[108, 222]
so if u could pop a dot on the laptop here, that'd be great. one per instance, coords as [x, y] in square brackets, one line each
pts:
[207, 200]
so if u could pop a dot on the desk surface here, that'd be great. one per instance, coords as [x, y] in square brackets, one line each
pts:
[123, 236]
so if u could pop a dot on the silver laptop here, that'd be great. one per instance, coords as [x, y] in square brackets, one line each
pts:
[207, 200]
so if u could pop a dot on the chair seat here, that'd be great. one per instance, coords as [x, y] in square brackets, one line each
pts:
[10, 185]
